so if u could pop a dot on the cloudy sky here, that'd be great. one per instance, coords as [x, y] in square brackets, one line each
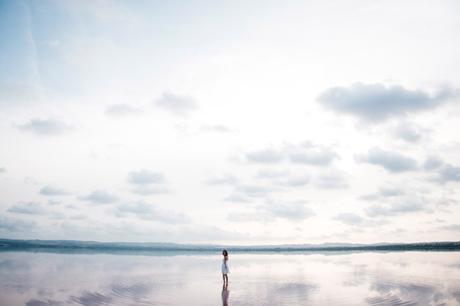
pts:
[243, 122]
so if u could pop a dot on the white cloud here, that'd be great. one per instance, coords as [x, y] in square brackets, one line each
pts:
[253, 190]
[295, 181]
[391, 161]
[448, 173]
[304, 153]
[150, 212]
[441, 171]
[432, 162]
[384, 192]
[53, 191]
[271, 210]
[27, 208]
[308, 153]
[378, 102]
[272, 174]
[237, 198]
[12, 225]
[99, 197]
[181, 105]
[148, 182]
[146, 190]
[451, 227]
[46, 127]
[265, 156]
[331, 180]
[122, 110]
[397, 207]
[408, 132]
[223, 180]
[349, 218]
[146, 177]
[290, 210]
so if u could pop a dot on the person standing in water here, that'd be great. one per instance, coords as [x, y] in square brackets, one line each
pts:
[225, 269]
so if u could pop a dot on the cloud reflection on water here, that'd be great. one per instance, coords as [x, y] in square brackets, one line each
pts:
[394, 278]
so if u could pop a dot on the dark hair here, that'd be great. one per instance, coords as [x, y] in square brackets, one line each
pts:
[225, 252]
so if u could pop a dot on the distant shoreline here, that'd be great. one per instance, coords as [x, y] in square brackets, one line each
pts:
[70, 246]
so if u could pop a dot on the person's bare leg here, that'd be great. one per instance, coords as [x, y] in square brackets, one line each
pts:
[223, 278]
[226, 279]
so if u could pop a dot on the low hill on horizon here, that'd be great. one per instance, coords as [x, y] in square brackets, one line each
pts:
[75, 245]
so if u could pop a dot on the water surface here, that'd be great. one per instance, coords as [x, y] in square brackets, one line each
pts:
[344, 278]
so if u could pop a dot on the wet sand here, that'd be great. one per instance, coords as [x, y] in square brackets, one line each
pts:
[345, 278]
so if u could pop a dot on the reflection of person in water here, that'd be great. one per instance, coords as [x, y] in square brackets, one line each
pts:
[225, 294]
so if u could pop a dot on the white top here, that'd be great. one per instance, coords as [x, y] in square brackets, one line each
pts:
[225, 269]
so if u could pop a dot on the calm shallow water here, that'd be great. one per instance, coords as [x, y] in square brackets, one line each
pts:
[368, 278]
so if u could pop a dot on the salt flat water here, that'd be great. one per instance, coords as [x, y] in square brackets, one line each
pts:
[327, 278]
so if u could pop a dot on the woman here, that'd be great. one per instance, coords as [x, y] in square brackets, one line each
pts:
[225, 269]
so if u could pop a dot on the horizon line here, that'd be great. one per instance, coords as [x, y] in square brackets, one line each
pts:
[325, 244]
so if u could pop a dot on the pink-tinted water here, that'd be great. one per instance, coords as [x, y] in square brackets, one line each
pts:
[394, 278]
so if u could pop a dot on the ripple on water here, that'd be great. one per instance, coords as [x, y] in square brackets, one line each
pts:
[294, 291]
[92, 299]
[140, 293]
[388, 300]
[118, 294]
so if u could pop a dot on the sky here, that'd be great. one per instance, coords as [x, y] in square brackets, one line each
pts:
[230, 122]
